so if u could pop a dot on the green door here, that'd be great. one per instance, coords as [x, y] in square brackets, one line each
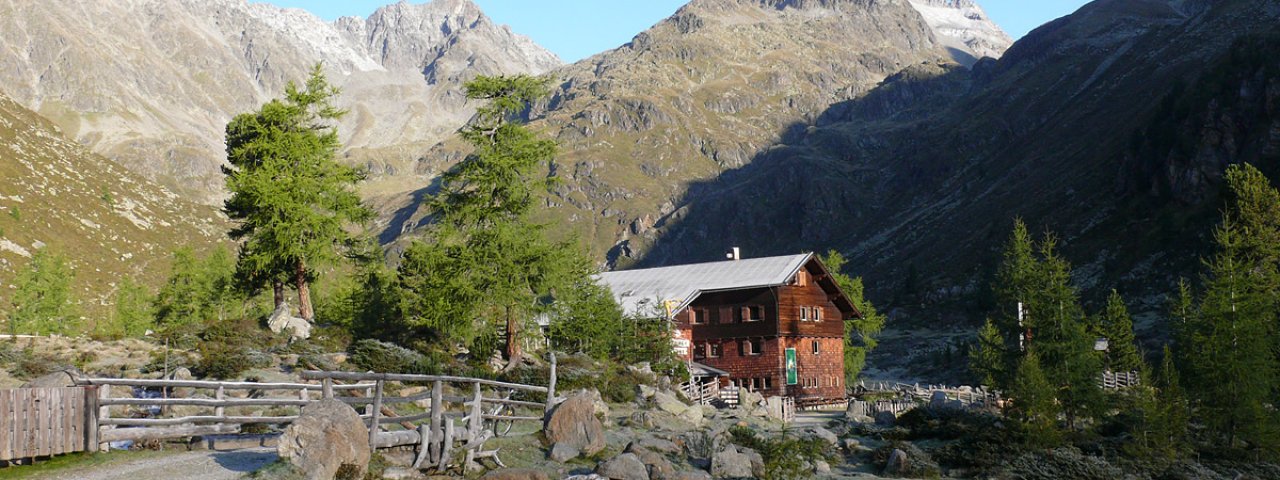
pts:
[793, 377]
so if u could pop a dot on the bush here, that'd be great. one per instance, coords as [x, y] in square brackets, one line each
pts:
[385, 357]
[785, 457]
[919, 463]
[222, 361]
[1060, 463]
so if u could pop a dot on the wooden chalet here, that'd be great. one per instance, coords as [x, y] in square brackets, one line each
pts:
[775, 324]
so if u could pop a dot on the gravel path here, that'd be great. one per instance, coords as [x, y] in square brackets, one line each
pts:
[194, 465]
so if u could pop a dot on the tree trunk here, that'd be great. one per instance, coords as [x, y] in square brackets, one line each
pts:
[304, 293]
[278, 288]
[513, 342]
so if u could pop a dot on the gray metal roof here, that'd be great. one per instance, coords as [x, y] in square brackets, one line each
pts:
[646, 291]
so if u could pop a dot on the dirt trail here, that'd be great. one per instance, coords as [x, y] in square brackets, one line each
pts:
[194, 465]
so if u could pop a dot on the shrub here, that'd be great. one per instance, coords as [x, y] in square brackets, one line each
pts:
[222, 361]
[919, 463]
[1058, 463]
[385, 357]
[785, 457]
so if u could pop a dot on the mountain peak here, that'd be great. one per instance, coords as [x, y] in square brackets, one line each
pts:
[964, 28]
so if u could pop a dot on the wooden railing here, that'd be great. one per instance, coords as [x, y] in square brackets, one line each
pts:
[214, 420]
[436, 437]
[1115, 380]
[485, 409]
[703, 393]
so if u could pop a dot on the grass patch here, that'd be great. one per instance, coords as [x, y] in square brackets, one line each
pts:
[75, 462]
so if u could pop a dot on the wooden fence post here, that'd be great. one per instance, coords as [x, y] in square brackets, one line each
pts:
[551, 385]
[373, 417]
[477, 416]
[327, 387]
[219, 394]
[104, 412]
[437, 412]
[91, 419]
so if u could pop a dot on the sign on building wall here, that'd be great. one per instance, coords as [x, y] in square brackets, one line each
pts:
[680, 342]
[793, 376]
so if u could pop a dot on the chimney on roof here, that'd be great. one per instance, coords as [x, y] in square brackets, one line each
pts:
[734, 254]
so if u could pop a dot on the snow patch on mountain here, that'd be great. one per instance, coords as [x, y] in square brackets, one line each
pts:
[964, 28]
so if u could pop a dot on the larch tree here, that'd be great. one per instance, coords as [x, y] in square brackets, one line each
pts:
[987, 358]
[859, 333]
[489, 268]
[294, 204]
[1117, 326]
[1235, 368]
[42, 302]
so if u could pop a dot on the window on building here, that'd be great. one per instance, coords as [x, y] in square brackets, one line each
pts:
[752, 313]
[804, 314]
[715, 349]
[802, 278]
[815, 348]
[817, 314]
[751, 347]
[768, 383]
[699, 351]
[698, 316]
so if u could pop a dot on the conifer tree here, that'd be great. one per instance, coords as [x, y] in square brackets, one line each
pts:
[489, 266]
[196, 291]
[1061, 338]
[1236, 365]
[1117, 326]
[1033, 402]
[859, 333]
[987, 359]
[131, 313]
[293, 202]
[42, 303]
[1170, 425]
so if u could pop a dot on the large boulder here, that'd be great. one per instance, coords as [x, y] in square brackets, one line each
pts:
[625, 466]
[563, 452]
[659, 467]
[824, 434]
[897, 464]
[729, 463]
[573, 422]
[327, 436]
[62, 378]
[670, 404]
[283, 321]
[748, 400]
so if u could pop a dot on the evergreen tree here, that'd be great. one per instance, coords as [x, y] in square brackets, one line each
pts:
[1014, 287]
[42, 303]
[490, 269]
[196, 291]
[1172, 419]
[1062, 339]
[1033, 403]
[987, 359]
[1236, 366]
[131, 314]
[1117, 326]
[859, 333]
[293, 202]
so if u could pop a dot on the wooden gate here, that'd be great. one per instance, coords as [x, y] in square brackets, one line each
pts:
[41, 422]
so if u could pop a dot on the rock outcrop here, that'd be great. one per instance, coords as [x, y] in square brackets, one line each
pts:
[572, 426]
[328, 436]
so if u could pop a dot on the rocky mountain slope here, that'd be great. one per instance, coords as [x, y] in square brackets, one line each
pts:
[106, 221]
[1111, 127]
[151, 83]
[699, 94]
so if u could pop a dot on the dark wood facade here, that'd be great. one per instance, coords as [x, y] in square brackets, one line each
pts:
[746, 332]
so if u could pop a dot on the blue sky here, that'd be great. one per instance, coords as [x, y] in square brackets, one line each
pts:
[575, 29]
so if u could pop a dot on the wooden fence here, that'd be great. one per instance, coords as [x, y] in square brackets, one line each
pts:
[1114, 380]
[209, 402]
[484, 410]
[42, 422]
